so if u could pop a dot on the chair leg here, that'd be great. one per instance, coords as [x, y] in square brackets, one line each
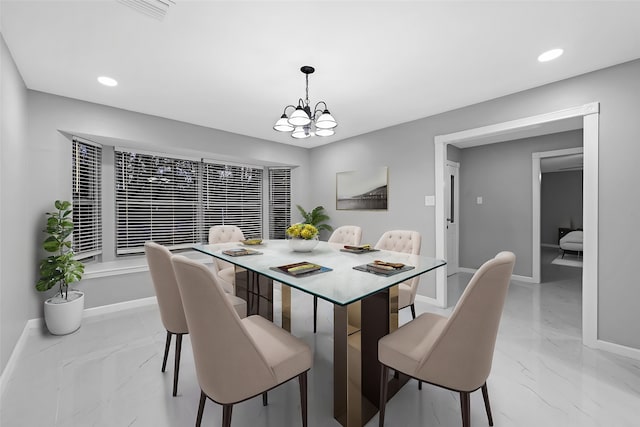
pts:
[487, 406]
[465, 405]
[302, 379]
[176, 362]
[419, 384]
[203, 399]
[166, 350]
[315, 313]
[384, 384]
[265, 399]
[413, 310]
[226, 415]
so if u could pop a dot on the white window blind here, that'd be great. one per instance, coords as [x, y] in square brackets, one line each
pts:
[232, 195]
[157, 198]
[279, 202]
[86, 199]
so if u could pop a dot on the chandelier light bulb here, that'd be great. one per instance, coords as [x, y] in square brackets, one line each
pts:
[282, 125]
[326, 121]
[325, 132]
[301, 132]
[299, 117]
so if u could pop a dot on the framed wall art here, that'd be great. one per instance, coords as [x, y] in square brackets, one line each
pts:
[364, 189]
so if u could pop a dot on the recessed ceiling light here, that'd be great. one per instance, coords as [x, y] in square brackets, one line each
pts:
[550, 55]
[107, 81]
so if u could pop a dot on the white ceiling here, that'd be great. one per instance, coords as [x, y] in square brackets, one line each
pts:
[235, 65]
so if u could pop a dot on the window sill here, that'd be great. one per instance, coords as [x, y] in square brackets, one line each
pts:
[130, 265]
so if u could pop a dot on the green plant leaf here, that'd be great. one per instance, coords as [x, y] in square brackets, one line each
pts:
[51, 244]
[62, 205]
[315, 217]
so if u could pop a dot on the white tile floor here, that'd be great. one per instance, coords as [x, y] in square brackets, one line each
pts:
[108, 373]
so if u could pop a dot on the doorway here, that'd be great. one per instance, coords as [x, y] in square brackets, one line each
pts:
[589, 113]
[536, 180]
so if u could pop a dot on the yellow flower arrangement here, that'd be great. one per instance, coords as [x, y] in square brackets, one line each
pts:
[302, 231]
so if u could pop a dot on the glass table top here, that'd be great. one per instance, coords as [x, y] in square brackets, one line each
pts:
[341, 285]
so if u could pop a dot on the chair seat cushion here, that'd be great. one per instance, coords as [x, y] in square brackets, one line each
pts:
[405, 348]
[287, 355]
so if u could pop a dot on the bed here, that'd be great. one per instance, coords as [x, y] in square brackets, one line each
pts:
[572, 242]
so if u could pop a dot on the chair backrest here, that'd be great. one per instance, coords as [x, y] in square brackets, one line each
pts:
[461, 356]
[229, 366]
[346, 235]
[406, 241]
[225, 233]
[166, 287]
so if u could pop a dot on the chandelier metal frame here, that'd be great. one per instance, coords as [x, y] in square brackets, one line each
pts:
[303, 121]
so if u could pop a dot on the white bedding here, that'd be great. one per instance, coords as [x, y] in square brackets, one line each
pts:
[572, 241]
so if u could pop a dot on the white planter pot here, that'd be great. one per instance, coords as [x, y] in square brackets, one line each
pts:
[63, 317]
[302, 245]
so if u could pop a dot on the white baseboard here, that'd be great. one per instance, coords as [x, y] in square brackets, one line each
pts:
[37, 323]
[620, 350]
[17, 350]
[517, 277]
[550, 245]
[120, 306]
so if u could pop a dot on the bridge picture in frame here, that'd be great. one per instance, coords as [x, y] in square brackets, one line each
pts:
[362, 189]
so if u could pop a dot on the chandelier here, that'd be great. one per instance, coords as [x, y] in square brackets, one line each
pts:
[304, 123]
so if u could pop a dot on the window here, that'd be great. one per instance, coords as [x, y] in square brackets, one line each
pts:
[232, 194]
[279, 202]
[86, 199]
[157, 198]
[174, 201]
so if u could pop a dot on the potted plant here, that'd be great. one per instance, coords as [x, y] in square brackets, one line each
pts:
[316, 217]
[62, 312]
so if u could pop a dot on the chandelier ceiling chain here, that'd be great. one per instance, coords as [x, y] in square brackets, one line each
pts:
[304, 122]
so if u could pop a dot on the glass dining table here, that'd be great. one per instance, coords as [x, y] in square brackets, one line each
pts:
[365, 302]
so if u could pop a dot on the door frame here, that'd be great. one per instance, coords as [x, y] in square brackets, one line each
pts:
[456, 214]
[590, 117]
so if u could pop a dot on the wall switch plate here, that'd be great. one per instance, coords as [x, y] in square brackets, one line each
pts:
[479, 200]
[429, 200]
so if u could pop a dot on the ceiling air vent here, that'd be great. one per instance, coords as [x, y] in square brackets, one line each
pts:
[156, 9]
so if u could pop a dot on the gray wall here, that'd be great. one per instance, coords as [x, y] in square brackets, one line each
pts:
[501, 175]
[16, 252]
[408, 150]
[560, 204]
[36, 170]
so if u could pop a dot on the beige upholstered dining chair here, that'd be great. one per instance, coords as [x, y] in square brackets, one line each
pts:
[226, 271]
[235, 359]
[170, 303]
[406, 241]
[343, 235]
[456, 352]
